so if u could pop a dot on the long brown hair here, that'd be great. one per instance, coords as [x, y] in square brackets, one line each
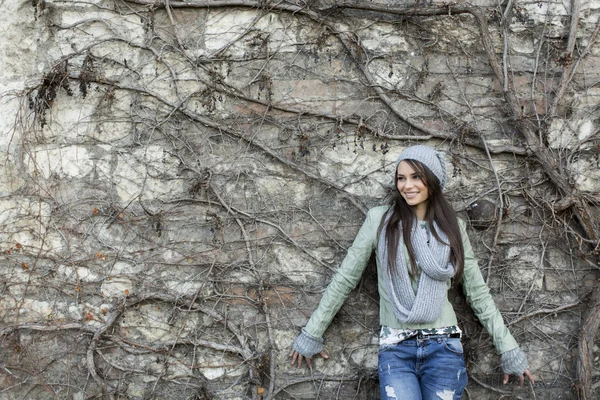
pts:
[438, 210]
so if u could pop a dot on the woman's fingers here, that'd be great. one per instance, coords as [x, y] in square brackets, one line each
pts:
[527, 374]
[294, 355]
[299, 357]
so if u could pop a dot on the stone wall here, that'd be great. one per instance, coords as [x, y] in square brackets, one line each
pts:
[180, 183]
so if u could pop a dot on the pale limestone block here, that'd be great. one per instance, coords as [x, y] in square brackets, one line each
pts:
[561, 135]
[185, 288]
[551, 324]
[384, 36]
[212, 357]
[154, 324]
[212, 373]
[34, 310]
[342, 166]
[10, 105]
[524, 254]
[526, 277]
[539, 10]
[116, 286]
[157, 78]
[55, 242]
[173, 257]
[124, 268]
[370, 187]
[587, 20]
[137, 325]
[71, 117]
[297, 192]
[78, 396]
[140, 173]
[62, 162]
[18, 216]
[296, 266]
[78, 17]
[336, 364]
[487, 363]
[128, 27]
[12, 17]
[523, 44]
[24, 311]
[121, 52]
[109, 131]
[301, 90]
[18, 279]
[390, 74]
[14, 273]
[22, 39]
[11, 179]
[65, 44]
[243, 277]
[223, 27]
[137, 387]
[365, 357]
[283, 32]
[586, 172]
[77, 274]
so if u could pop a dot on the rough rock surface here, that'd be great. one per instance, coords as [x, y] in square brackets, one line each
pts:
[179, 185]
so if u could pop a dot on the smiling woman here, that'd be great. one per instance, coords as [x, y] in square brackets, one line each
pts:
[421, 246]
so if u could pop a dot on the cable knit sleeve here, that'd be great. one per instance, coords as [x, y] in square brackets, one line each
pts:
[347, 276]
[481, 301]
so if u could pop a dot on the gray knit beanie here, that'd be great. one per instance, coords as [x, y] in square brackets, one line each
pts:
[428, 157]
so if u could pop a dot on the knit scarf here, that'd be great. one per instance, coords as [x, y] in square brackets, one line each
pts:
[433, 260]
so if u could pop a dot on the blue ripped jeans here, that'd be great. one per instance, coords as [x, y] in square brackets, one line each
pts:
[429, 369]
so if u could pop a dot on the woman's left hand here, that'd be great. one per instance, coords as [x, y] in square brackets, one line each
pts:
[527, 373]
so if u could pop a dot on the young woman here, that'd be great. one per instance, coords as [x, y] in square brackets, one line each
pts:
[420, 246]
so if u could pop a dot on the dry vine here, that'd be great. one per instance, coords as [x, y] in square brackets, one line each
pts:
[182, 228]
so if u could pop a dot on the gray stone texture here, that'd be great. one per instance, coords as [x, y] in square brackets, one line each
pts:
[178, 187]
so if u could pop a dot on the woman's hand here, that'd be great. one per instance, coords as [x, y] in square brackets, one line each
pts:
[297, 356]
[527, 373]
[514, 362]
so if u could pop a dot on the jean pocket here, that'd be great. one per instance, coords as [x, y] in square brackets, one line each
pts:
[454, 345]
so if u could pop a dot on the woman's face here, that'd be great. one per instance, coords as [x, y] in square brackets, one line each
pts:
[412, 188]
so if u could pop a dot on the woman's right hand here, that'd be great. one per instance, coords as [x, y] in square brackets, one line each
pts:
[297, 356]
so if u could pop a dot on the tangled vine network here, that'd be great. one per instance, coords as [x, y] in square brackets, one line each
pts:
[183, 177]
